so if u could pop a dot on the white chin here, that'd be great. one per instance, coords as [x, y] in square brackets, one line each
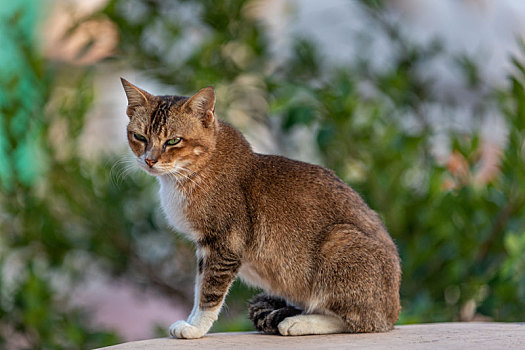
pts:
[153, 171]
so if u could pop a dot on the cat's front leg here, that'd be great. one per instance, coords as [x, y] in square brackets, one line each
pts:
[216, 273]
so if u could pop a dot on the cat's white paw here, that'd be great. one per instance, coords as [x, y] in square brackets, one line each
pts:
[184, 330]
[310, 324]
[294, 326]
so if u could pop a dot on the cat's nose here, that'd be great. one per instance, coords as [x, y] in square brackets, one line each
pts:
[150, 162]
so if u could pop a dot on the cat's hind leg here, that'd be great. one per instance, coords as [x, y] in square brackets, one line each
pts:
[267, 312]
[311, 324]
[358, 277]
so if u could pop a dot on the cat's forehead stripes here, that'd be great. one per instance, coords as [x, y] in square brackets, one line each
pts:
[159, 116]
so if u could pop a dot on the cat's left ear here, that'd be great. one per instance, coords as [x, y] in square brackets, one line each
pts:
[136, 97]
[202, 104]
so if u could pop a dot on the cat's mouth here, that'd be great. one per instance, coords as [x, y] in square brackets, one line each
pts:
[175, 172]
[154, 170]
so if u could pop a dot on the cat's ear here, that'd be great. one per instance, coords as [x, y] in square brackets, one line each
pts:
[136, 96]
[202, 104]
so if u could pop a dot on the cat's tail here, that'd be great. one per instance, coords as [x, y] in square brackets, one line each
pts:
[266, 312]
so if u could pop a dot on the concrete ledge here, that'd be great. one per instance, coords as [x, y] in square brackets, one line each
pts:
[464, 336]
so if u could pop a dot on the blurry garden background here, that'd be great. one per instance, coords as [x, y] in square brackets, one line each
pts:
[418, 105]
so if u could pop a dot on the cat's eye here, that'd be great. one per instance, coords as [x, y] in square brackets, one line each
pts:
[139, 137]
[173, 142]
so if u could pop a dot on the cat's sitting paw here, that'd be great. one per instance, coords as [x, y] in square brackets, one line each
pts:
[294, 326]
[311, 324]
[184, 330]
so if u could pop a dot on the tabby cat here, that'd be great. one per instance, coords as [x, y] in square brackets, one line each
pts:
[323, 257]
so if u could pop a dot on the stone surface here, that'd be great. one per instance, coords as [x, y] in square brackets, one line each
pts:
[464, 336]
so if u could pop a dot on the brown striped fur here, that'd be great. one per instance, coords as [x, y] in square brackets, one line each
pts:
[291, 228]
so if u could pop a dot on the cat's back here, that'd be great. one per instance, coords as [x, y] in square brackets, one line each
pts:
[290, 177]
[311, 197]
[287, 176]
[305, 193]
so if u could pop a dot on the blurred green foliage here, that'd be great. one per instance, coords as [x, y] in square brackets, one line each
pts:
[33, 245]
[462, 242]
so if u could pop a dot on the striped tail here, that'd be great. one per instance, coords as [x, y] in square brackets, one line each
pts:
[266, 312]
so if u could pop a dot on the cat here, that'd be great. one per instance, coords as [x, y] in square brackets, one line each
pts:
[323, 257]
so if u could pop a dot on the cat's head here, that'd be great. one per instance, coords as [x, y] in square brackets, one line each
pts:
[171, 134]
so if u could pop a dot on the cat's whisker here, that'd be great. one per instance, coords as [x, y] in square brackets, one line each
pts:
[114, 172]
[188, 178]
[174, 176]
[196, 175]
[185, 176]
[128, 169]
[121, 168]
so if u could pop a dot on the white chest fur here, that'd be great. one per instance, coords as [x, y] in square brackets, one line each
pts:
[174, 204]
